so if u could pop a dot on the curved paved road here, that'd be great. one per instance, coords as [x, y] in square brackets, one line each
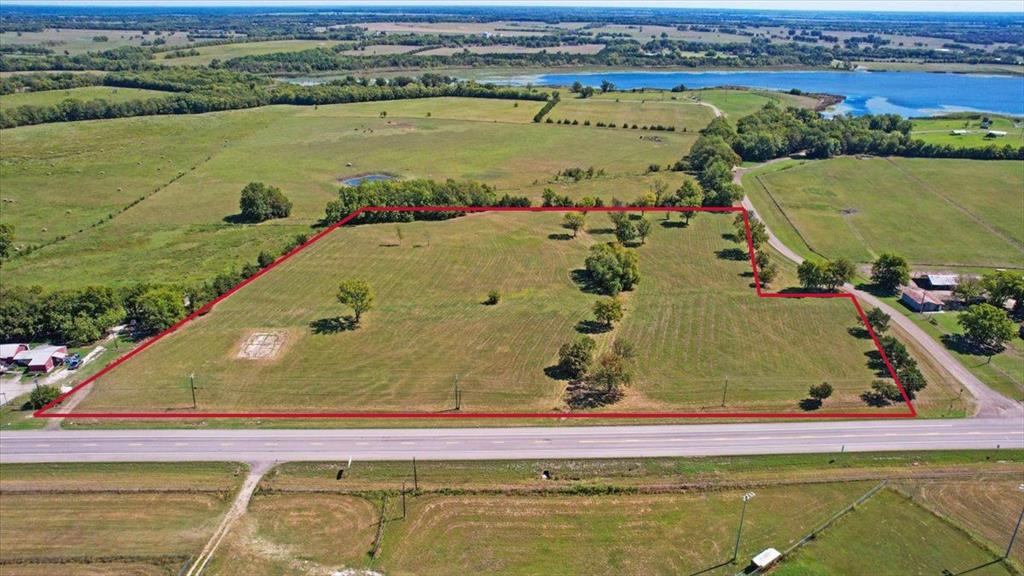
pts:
[263, 446]
[990, 404]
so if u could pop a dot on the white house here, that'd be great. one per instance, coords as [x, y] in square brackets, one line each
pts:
[9, 351]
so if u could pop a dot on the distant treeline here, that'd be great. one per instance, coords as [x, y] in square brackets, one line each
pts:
[195, 91]
[412, 193]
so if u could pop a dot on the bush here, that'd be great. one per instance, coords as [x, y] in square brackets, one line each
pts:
[493, 297]
[42, 395]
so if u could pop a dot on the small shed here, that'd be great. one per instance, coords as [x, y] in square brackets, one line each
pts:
[42, 359]
[942, 281]
[995, 134]
[958, 132]
[767, 558]
[9, 351]
[920, 300]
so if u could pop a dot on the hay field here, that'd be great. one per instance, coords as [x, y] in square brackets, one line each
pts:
[693, 319]
[684, 115]
[110, 518]
[936, 212]
[79, 40]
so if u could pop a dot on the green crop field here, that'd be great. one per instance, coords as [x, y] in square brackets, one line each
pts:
[939, 131]
[109, 518]
[62, 178]
[693, 319]
[223, 52]
[682, 114]
[53, 97]
[935, 212]
[903, 538]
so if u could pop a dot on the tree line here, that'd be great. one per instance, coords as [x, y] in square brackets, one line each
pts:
[211, 91]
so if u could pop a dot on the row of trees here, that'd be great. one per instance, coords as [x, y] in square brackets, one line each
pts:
[414, 193]
[595, 381]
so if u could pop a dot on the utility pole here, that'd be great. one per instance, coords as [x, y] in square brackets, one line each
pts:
[739, 532]
[458, 396]
[1016, 529]
[725, 390]
[192, 384]
[415, 476]
[403, 500]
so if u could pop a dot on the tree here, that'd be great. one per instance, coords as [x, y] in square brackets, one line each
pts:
[643, 229]
[156, 310]
[689, 195]
[821, 391]
[612, 372]
[612, 268]
[896, 352]
[882, 393]
[969, 290]
[260, 202]
[625, 230]
[878, 320]
[574, 357]
[356, 294]
[986, 327]
[607, 86]
[1003, 285]
[811, 274]
[577, 87]
[264, 259]
[6, 241]
[838, 272]
[890, 271]
[574, 221]
[758, 231]
[608, 311]
[43, 395]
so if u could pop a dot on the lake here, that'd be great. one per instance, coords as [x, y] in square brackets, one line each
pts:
[905, 93]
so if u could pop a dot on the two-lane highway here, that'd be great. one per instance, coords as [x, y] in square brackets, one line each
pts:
[508, 443]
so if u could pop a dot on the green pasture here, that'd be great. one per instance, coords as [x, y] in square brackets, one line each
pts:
[939, 131]
[935, 212]
[684, 115]
[89, 170]
[84, 94]
[890, 535]
[223, 52]
[695, 321]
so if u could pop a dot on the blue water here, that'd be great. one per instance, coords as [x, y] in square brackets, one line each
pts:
[357, 180]
[905, 93]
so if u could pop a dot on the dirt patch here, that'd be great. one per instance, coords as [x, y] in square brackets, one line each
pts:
[263, 346]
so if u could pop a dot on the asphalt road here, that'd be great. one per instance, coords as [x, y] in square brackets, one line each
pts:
[265, 446]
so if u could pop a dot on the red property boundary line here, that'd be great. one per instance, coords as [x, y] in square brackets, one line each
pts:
[45, 411]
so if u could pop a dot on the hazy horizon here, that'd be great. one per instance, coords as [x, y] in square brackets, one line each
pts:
[918, 6]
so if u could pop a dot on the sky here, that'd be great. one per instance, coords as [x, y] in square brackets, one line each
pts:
[816, 5]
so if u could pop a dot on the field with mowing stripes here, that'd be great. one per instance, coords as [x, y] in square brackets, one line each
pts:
[101, 519]
[697, 325]
[934, 212]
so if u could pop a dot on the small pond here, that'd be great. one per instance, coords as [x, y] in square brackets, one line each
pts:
[357, 180]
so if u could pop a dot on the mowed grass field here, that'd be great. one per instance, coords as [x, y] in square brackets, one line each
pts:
[935, 212]
[223, 52]
[695, 321]
[903, 538]
[84, 94]
[61, 178]
[110, 518]
[682, 114]
[939, 131]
